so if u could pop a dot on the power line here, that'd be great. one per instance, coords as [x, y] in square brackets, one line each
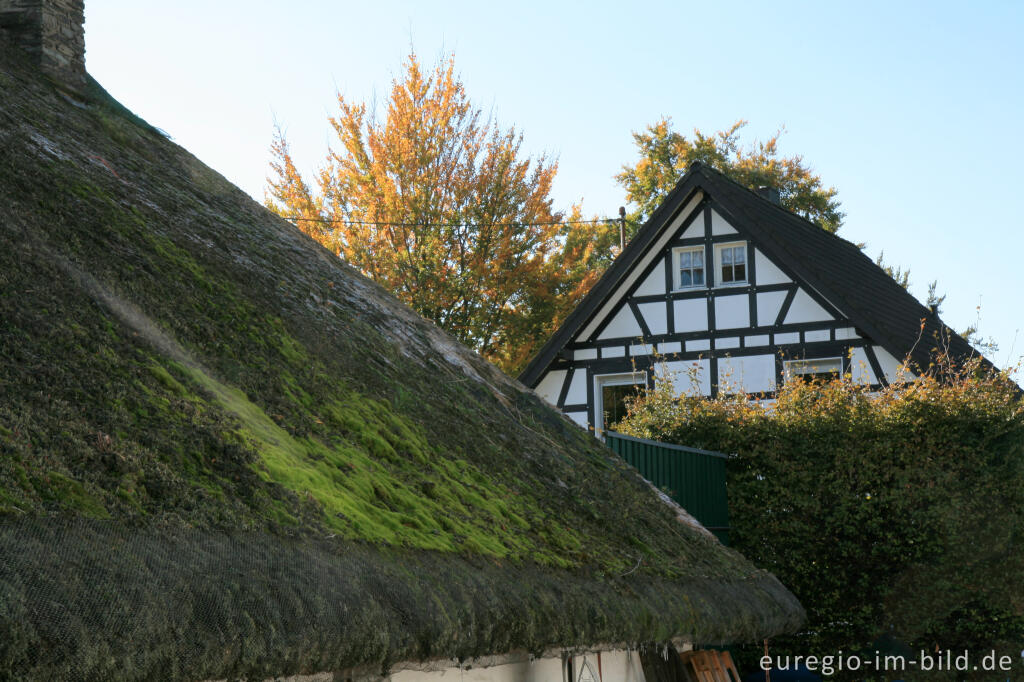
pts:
[524, 223]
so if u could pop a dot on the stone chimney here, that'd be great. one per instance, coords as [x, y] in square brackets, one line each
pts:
[52, 32]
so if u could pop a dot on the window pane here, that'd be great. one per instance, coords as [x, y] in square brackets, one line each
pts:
[824, 369]
[726, 273]
[740, 272]
[613, 399]
[739, 255]
[816, 376]
[726, 256]
[691, 267]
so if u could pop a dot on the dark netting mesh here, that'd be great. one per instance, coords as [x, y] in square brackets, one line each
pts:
[98, 600]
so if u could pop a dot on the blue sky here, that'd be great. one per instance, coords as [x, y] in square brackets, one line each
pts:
[912, 111]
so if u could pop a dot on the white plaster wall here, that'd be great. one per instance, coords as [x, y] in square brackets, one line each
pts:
[613, 352]
[691, 315]
[539, 670]
[696, 229]
[615, 666]
[641, 349]
[817, 335]
[732, 312]
[623, 324]
[768, 305]
[750, 374]
[893, 368]
[585, 354]
[690, 377]
[578, 417]
[720, 225]
[551, 385]
[804, 309]
[698, 345]
[577, 394]
[767, 271]
[670, 347]
[654, 283]
[860, 368]
[656, 316]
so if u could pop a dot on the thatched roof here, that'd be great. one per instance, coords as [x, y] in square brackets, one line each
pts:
[224, 452]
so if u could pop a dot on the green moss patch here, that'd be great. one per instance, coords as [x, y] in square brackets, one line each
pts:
[72, 495]
[380, 480]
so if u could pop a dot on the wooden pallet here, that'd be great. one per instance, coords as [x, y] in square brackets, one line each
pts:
[709, 665]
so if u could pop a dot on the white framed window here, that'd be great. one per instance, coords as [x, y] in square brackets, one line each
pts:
[610, 394]
[821, 369]
[731, 264]
[689, 267]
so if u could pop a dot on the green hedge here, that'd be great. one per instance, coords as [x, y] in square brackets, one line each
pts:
[896, 515]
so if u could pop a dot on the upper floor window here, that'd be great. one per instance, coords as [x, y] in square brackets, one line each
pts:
[732, 264]
[690, 268]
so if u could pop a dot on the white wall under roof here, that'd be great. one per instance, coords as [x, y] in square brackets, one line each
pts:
[620, 665]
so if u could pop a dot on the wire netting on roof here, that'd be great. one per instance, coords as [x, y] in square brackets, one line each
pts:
[99, 600]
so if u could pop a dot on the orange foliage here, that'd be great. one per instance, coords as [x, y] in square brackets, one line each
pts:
[437, 204]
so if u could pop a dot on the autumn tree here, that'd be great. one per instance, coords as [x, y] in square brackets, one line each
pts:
[666, 154]
[438, 203]
[583, 248]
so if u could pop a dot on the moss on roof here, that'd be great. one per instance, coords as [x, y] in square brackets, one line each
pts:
[188, 381]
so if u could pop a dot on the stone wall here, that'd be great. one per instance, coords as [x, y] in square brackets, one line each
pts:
[52, 32]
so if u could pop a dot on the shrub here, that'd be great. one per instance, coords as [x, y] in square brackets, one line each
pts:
[896, 514]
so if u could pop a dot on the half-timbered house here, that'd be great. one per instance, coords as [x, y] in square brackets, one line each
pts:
[728, 291]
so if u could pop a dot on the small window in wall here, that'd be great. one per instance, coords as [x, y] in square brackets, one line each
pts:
[612, 392]
[732, 264]
[823, 369]
[689, 268]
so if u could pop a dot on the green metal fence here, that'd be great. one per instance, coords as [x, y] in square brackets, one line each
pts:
[693, 478]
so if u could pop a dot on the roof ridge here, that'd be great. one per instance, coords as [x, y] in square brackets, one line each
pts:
[805, 222]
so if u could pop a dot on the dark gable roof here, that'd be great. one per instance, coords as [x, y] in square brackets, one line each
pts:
[836, 268]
